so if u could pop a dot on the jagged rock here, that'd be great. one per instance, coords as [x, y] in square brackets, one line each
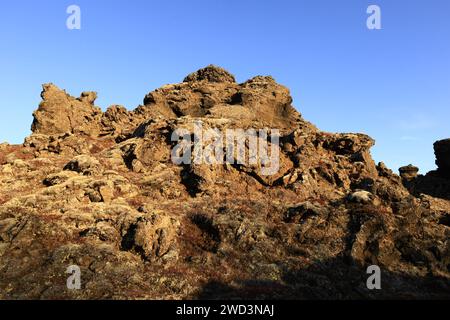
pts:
[115, 120]
[442, 152]
[408, 172]
[211, 74]
[60, 113]
[435, 183]
[383, 170]
[154, 236]
[88, 97]
[101, 190]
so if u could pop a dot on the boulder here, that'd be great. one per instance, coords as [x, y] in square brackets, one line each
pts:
[84, 164]
[408, 172]
[155, 236]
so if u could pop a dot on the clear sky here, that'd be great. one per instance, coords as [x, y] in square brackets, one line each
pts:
[393, 84]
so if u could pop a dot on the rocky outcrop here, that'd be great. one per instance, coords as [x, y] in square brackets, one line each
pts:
[408, 172]
[210, 74]
[61, 113]
[435, 183]
[442, 152]
[101, 190]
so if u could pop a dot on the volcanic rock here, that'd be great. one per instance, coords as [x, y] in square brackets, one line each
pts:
[102, 191]
[61, 113]
[84, 164]
[408, 172]
[442, 152]
[210, 74]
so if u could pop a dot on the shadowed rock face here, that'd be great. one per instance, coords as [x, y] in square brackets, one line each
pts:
[100, 190]
[435, 183]
[442, 152]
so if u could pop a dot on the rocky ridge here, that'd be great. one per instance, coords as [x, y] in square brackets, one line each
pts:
[99, 190]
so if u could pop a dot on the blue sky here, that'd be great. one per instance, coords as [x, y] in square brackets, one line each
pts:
[393, 84]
